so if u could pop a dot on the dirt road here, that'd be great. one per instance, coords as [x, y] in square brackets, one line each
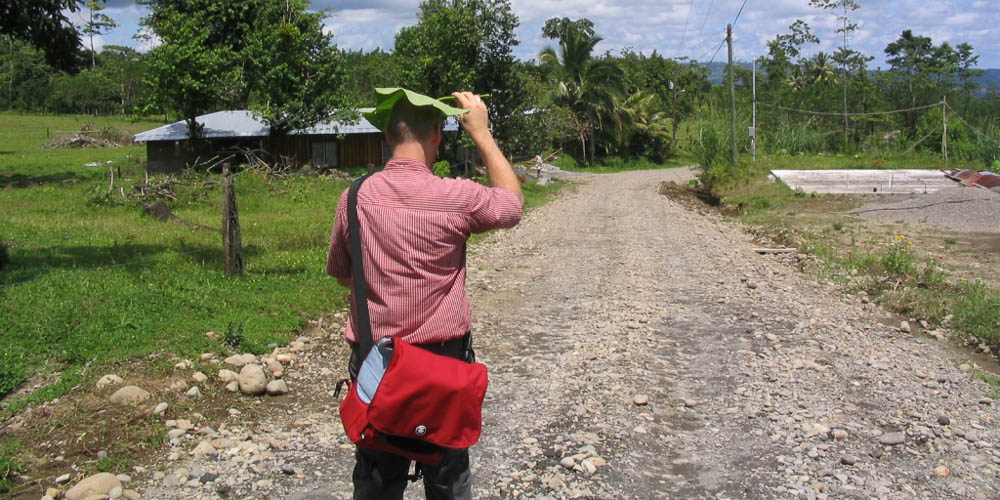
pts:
[641, 350]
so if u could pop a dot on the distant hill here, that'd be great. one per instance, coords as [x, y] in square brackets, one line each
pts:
[991, 78]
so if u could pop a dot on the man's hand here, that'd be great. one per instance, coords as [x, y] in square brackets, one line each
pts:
[476, 121]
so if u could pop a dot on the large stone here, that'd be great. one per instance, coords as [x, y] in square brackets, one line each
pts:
[205, 449]
[227, 376]
[235, 360]
[252, 380]
[277, 387]
[129, 395]
[98, 484]
[108, 380]
[892, 438]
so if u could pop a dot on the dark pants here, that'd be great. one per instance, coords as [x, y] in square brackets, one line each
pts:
[381, 475]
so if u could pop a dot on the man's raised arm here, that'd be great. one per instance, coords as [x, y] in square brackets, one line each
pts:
[476, 123]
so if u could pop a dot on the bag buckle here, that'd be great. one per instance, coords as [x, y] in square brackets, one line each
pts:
[340, 385]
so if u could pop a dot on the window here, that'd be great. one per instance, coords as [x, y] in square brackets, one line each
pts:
[324, 154]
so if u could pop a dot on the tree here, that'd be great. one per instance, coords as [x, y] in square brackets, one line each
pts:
[557, 28]
[844, 56]
[43, 23]
[295, 70]
[467, 44]
[783, 50]
[96, 24]
[585, 85]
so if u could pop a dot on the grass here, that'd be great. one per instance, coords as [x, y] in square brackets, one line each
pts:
[890, 271]
[9, 464]
[23, 159]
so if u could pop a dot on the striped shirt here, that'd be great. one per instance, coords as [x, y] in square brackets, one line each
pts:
[414, 226]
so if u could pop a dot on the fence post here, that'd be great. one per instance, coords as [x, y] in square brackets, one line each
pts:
[232, 245]
[732, 89]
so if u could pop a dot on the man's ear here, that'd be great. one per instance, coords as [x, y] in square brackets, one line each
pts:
[436, 137]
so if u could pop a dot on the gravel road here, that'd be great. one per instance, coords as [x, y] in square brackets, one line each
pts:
[641, 350]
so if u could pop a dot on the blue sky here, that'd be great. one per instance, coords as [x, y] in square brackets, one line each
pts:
[691, 28]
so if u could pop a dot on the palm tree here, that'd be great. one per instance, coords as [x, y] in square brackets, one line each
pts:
[640, 118]
[821, 69]
[583, 84]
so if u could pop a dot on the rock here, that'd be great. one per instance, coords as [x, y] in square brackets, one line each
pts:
[124, 478]
[207, 356]
[249, 359]
[892, 438]
[839, 434]
[233, 386]
[183, 424]
[568, 462]
[160, 408]
[98, 484]
[529, 441]
[640, 399]
[204, 449]
[228, 376]
[233, 412]
[183, 365]
[116, 493]
[175, 433]
[252, 380]
[199, 377]
[107, 381]
[597, 461]
[904, 326]
[129, 395]
[588, 467]
[284, 358]
[131, 495]
[942, 470]
[193, 392]
[986, 401]
[277, 387]
[208, 477]
[63, 479]
[288, 469]
[275, 368]
[235, 360]
[849, 459]
[158, 210]
[178, 386]
[690, 403]
[943, 420]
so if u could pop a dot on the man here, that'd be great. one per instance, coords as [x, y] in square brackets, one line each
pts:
[414, 227]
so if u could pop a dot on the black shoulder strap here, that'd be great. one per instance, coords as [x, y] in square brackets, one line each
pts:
[359, 286]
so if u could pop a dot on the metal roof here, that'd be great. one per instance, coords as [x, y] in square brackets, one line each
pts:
[242, 123]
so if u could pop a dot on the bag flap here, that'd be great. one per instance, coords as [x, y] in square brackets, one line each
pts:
[426, 396]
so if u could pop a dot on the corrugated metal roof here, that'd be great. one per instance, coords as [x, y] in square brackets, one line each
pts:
[242, 123]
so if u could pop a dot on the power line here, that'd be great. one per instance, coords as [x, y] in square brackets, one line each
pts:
[705, 19]
[738, 13]
[716, 51]
[686, 19]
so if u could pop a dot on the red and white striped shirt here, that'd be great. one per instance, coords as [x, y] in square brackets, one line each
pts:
[414, 226]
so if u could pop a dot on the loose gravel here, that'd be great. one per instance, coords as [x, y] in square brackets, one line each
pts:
[640, 350]
[959, 208]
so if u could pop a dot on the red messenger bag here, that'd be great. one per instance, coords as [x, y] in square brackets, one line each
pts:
[406, 400]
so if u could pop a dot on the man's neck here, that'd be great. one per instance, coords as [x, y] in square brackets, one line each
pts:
[413, 151]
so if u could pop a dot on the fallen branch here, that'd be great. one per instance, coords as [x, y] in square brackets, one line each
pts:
[774, 250]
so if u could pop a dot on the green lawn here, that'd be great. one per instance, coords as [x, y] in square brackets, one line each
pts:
[24, 159]
[94, 281]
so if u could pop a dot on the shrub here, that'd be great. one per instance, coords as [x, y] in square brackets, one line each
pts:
[234, 336]
[9, 465]
[442, 168]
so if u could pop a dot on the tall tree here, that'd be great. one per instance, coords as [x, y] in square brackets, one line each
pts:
[585, 85]
[43, 23]
[556, 28]
[96, 24]
[467, 44]
[295, 70]
[845, 55]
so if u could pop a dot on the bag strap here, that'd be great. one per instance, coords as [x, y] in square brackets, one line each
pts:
[359, 286]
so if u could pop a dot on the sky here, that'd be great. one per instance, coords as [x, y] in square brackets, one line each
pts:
[674, 28]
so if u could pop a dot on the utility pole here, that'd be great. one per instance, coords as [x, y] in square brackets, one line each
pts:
[753, 127]
[732, 89]
[673, 112]
[944, 133]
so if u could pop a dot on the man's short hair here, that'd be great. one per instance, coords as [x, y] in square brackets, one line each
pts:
[410, 123]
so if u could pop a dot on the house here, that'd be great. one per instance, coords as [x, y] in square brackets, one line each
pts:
[329, 144]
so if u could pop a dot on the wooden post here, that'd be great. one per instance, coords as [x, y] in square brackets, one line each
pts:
[232, 244]
[732, 90]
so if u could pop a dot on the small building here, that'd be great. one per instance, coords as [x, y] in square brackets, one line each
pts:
[332, 144]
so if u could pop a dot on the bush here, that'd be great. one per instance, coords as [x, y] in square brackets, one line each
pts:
[442, 168]
[9, 465]
[11, 371]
